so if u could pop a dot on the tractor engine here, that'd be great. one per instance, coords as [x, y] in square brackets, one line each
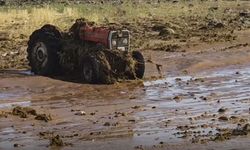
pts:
[113, 40]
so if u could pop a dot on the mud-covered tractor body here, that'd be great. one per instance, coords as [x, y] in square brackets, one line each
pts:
[104, 36]
[94, 54]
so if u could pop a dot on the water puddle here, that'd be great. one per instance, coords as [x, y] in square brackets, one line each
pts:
[177, 99]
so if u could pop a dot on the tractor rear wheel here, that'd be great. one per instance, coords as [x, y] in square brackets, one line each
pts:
[42, 50]
[140, 64]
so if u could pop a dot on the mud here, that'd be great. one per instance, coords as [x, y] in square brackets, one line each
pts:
[199, 101]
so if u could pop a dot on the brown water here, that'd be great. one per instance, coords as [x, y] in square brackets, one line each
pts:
[174, 112]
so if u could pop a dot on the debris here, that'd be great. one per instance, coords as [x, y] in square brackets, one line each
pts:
[223, 118]
[106, 124]
[43, 117]
[16, 145]
[4, 54]
[80, 113]
[136, 107]
[225, 134]
[92, 114]
[131, 120]
[166, 32]
[222, 110]
[177, 98]
[203, 98]
[3, 114]
[56, 141]
[23, 111]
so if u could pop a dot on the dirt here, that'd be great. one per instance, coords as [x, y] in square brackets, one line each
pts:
[199, 101]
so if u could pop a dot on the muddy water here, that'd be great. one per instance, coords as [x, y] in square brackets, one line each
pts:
[172, 113]
[193, 101]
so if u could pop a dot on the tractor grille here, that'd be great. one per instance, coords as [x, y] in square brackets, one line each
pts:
[120, 40]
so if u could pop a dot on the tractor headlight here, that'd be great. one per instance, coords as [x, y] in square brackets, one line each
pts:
[114, 43]
[125, 41]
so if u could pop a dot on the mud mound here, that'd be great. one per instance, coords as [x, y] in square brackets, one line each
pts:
[56, 141]
[43, 117]
[24, 112]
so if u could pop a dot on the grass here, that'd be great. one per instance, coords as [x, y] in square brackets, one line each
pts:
[24, 20]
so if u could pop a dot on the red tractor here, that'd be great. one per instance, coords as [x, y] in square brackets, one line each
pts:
[92, 54]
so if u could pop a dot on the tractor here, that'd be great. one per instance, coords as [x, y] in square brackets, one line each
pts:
[90, 53]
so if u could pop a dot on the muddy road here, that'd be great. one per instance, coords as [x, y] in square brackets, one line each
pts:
[201, 102]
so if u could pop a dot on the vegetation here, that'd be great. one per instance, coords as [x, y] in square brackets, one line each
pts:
[28, 18]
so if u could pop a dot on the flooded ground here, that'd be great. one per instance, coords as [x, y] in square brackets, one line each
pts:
[167, 113]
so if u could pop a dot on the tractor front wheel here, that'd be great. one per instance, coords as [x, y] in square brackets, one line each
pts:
[139, 65]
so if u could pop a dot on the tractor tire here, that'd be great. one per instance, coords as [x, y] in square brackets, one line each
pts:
[140, 64]
[90, 70]
[96, 69]
[43, 47]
